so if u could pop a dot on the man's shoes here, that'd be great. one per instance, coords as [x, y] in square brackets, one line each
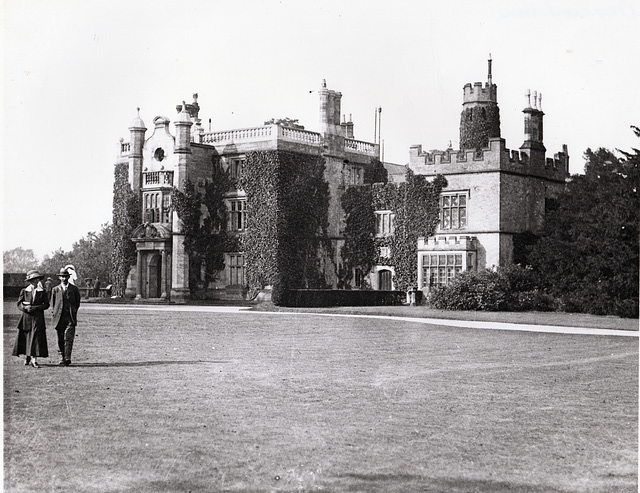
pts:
[27, 361]
[67, 362]
[62, 363]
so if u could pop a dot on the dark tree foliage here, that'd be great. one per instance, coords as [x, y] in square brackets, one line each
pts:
[588, 254]
[204, 220]
[91, 255]
[376, 172]
[51, 264]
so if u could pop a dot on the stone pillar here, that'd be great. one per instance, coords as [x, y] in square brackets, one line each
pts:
[139, 275]
[179, 269]
[180, 259]
[164, 275]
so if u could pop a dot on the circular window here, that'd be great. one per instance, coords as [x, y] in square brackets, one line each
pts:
[159, 154]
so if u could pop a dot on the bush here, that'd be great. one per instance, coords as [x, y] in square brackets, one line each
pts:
[627, 309]
[512, 288]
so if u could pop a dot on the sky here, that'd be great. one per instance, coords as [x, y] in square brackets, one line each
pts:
[74, 72]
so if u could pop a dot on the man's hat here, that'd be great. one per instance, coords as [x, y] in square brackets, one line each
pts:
[33, 274]
[64, 273]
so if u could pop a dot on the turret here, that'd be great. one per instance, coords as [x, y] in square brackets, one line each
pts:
[480, 118]
[136, 139]
[183, 131]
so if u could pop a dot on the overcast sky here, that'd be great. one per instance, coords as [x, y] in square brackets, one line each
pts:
[74, 72]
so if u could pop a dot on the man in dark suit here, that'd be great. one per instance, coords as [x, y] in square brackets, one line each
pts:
[65, 301]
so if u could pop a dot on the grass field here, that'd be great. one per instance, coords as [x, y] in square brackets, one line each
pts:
[214, 402]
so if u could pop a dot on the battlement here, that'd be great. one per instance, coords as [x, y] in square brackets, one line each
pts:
[477, 93]
[450, 242]
[496, 157]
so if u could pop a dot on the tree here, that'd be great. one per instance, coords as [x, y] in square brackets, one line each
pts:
[90, 255]
[51, 264]
[19, 260]
[588, 254]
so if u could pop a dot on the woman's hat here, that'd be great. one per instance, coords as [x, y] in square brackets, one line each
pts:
[33, 274]
[64, 273]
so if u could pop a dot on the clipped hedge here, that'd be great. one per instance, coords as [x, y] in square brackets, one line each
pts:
[341, 297]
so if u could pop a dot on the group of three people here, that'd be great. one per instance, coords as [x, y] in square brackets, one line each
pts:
[31, 339]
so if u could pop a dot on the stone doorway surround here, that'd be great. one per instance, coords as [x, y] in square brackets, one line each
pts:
[153, 263]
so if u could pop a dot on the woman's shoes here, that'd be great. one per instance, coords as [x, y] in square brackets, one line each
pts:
[27, 361]
[35, 364]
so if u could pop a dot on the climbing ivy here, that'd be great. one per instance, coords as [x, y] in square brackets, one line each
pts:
[286, 240]
[126, 216]
[359, 250]
[415, 204]
[204, 219]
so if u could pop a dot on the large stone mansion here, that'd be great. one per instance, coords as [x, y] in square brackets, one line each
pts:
[493, 193]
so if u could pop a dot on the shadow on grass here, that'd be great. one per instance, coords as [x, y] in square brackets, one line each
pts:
[407, 482]
[132, 364]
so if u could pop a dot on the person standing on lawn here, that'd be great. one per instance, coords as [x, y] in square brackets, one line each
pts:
[48, 287]
[32, 338]
[65, 301]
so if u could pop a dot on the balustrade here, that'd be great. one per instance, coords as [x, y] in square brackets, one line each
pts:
[236, 135]
[301, 135]
[360, 146]
[158, 178]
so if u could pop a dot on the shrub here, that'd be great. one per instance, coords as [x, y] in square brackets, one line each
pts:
[627, 308]
[512, 288]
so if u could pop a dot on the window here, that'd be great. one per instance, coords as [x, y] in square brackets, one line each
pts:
[156, 207]
[236, 269]
[384, 223]
[166, 208]
[385, 252]
[235, 168]
[453, 211]
[439, 269]
[353, 175]
[151, 213]
[237, 215]
[358, 278]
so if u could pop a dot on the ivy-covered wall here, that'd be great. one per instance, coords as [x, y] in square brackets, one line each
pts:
[204, 224]
[126, 216]
[286, 242]
[415, 204]
[478, 125]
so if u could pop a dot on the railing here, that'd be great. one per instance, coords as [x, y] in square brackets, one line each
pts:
[301, 135]
[158, 177]
[236, 135]
[360, 146]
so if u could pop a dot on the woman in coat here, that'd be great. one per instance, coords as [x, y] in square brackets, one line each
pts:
[32, 338]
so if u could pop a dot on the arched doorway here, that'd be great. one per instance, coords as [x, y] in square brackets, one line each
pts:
[154, 284]
[384, 280]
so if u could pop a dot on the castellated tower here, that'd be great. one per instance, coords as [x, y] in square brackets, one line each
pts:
[480, 118]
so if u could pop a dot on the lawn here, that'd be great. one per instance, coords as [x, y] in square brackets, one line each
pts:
[213, 402]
